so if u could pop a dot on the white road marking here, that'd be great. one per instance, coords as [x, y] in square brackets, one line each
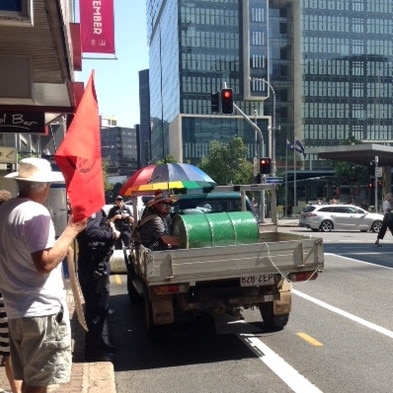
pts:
[297, 382]
[345, 314]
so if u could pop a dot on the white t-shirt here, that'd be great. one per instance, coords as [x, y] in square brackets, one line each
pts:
[386, 206]
[26, 227]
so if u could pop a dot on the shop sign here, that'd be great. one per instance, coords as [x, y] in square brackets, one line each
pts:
[22, 122]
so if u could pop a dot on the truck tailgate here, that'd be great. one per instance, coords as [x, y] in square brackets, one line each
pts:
[276, 253]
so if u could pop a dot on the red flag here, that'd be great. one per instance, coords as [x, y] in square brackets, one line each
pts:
[79, 157]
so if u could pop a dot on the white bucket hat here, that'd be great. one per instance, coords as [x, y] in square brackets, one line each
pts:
[36, 170]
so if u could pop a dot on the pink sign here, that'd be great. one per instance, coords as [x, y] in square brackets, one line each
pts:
[97, 26]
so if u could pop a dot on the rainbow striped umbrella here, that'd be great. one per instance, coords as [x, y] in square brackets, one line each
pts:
[175, 177]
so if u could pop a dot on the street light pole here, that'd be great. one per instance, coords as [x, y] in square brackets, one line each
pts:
[272, 129]
[262, 153]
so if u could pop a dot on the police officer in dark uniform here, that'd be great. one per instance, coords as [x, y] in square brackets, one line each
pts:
[95, 244]
[121, 219]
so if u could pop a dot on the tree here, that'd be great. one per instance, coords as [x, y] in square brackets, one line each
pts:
[105, 164]
[226, 162]
[168, 159]
[349, 173]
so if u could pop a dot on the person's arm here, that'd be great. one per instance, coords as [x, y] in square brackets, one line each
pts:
[46, 260]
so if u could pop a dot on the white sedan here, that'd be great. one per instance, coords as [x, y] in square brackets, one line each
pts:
[326, 218]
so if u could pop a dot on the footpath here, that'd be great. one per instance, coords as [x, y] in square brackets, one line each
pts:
[95, 377]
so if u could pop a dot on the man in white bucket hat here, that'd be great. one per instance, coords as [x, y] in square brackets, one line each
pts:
[31, 279]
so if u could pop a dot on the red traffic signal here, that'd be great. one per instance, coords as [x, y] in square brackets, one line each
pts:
[227, 101]
[265, 165]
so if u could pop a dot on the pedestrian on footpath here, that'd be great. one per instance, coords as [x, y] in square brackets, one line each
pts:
[95, 245]
[387, 222]
[31, 280]
[15, 385]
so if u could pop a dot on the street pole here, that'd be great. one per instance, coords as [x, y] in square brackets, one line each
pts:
[286, 181]
[376, 183]
[294, 180]
[262, 153]
[272, 129]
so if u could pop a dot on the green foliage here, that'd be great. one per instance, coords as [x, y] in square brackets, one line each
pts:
[349, 173]
[226, 163]
[168, 159]
[105, 164]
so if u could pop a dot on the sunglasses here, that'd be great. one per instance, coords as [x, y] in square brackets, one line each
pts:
[166, 204]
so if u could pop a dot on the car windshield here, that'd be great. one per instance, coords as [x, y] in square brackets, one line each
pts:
[207, 206]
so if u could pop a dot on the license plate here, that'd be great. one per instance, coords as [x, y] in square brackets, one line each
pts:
[255, 280]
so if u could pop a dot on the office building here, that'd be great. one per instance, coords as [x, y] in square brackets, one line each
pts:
[328, 61]
[144, 126]
[119, 146]
[195, 48]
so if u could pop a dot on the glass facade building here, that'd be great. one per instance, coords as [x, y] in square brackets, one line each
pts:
[119, 146]
[196, 48]
[329, 61]
[344, 71]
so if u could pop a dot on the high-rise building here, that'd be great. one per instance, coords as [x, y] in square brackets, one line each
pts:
[144, 126]
[343, 69]
[119, 146]
[196, 48]
[328, 63]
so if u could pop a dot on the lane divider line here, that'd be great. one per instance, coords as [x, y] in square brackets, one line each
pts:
[309, 339]
[291, 377]
[117, 279]
[345, 314]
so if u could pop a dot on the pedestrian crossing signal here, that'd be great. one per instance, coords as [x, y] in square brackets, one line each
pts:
[265, 165]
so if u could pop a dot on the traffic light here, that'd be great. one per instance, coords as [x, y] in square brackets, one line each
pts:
[215, 102]
[371, 168]
[226, 101]
[265, 165]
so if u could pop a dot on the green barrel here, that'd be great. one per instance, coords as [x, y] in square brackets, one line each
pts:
[215, 229]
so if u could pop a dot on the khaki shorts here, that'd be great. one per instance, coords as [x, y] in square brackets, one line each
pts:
[41, 350]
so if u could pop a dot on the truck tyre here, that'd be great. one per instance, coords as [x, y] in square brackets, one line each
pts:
[270, 320]
[133, 294]
[154, 332]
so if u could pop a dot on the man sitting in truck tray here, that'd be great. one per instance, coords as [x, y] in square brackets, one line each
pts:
[153, 229]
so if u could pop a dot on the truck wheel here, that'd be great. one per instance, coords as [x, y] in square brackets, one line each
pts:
[154, 332]
[133, 294]
[270, 320]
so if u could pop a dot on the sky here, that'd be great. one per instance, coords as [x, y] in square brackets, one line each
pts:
[117, 81]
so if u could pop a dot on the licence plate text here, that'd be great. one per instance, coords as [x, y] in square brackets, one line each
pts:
[254, 280]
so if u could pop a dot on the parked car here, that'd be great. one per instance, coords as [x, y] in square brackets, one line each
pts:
[326, 218]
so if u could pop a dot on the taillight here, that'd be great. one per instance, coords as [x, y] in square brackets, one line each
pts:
[169, 289]
[303, 276]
